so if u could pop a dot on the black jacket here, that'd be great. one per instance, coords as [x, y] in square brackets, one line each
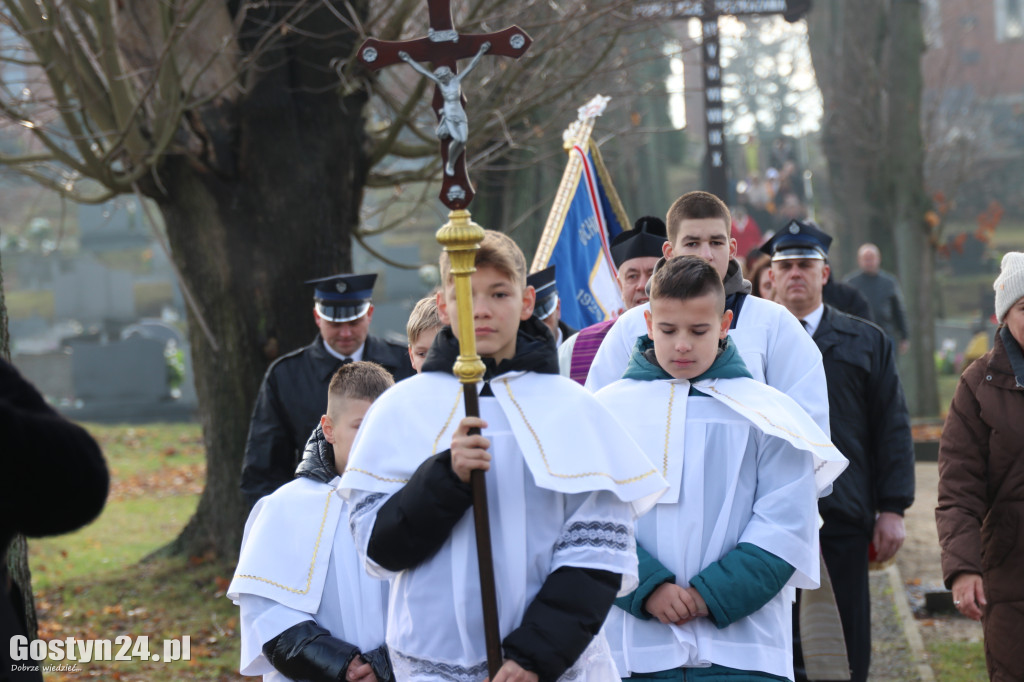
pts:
[869, 420]
[291, 401]
[54, 481]
[847, 299]
[415, 522]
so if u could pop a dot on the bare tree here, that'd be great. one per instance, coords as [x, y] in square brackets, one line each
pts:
[247, 123]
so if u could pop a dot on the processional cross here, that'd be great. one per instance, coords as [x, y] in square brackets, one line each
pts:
[708, 11]
[460, 236]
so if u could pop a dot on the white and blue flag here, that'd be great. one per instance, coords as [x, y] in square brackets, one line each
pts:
[586, 216]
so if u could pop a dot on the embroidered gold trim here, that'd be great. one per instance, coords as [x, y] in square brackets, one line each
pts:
[668, 429]
[312, 566]
[458, 398]
[379, 478]
[544, 456]
[769, 421]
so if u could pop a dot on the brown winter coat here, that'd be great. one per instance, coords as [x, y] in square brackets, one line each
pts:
[980, 515]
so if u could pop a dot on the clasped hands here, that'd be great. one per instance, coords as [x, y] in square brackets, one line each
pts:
[671, 603]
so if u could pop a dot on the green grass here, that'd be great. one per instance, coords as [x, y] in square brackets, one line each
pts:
[125, 533]
[156, 474]
[957, 661]
[92, 584]
[161, 599]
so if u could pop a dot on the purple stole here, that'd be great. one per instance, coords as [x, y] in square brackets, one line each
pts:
[587, 343]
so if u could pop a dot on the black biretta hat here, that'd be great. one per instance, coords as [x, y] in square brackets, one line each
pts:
[798, 239]
[543, 281]
[644, 240]
[343, 298]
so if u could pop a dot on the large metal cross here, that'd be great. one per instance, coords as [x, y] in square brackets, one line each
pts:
[443, 47]
[708, 11]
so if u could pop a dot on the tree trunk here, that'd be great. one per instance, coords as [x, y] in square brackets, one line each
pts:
[867, 58]
[17, 553]
[246, 243]
[846, 42]
[914, 244]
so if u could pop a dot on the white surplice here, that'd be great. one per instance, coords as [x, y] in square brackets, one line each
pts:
[744, 464]
[565, 485]
[774, 347]
[298, 562]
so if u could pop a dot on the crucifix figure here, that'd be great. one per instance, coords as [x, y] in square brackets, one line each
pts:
[452, 121]
[443, 47]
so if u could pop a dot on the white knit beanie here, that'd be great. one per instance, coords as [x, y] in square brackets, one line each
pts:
[1009, 285]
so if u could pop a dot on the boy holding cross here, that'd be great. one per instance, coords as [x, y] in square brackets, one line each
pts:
[564, 484]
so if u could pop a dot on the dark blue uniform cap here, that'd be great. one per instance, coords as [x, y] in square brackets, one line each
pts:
[547, 293]
[343, 298]
[798, 239]
[644, 240]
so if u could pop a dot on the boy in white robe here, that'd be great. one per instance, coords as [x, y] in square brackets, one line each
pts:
[775, 348]
[722, 551]
[564, 483]
[308, 609]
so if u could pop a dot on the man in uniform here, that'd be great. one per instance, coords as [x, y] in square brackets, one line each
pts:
[294, 391]
[870, 426]
[548, 308]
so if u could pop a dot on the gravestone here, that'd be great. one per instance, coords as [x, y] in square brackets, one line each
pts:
[91, 292]
[129, 371]
[49, 372]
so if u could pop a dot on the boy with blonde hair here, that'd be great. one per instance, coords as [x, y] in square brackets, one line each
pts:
[564, 484]
[308, 609]
[421, 329]
[723, 550]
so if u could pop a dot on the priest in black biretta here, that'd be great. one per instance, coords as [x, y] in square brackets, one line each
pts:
[548, 308]
[645, 240]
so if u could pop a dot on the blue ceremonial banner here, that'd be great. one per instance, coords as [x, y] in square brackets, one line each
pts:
[586, 217]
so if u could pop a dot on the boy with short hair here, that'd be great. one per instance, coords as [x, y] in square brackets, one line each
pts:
[722, 551]
[308, 609]
[775, 348]
[564, 484]
[421, 329]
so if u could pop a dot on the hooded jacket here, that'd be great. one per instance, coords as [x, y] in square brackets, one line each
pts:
[980, 515]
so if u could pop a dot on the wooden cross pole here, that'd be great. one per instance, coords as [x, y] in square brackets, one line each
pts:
[460, 236]
[708, 11]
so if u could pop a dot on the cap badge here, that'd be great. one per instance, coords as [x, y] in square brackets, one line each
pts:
[342, 287]
[794, 228]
